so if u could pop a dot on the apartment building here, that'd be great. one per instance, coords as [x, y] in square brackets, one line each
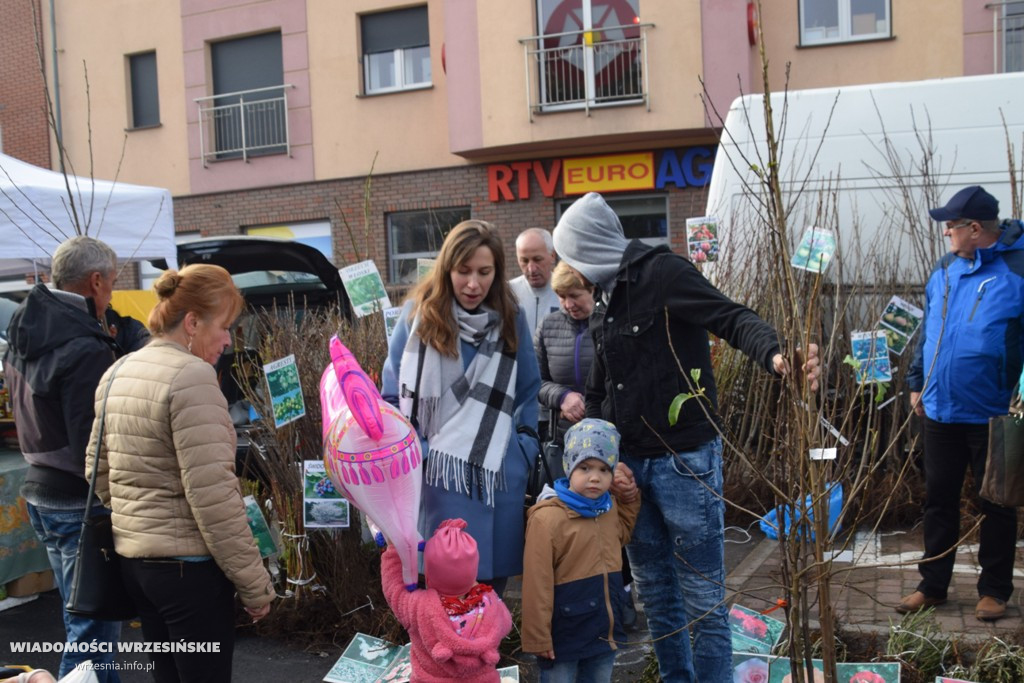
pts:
[370, 127]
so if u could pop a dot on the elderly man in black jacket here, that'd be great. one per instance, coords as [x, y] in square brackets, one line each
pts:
[59, 349]
[677, 552]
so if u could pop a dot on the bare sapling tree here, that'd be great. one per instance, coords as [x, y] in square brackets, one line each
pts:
[771, 427]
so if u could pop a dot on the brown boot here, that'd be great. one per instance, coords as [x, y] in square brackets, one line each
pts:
[990, 609]
[918, 601]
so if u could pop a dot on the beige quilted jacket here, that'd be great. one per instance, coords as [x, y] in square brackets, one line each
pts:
[167, 466]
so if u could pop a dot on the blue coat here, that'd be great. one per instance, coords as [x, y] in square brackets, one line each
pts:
[979, 359]
[498, 530]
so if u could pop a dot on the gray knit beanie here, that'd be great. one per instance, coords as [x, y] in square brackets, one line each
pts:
[589, 238]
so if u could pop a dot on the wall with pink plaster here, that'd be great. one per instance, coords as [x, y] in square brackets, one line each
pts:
[978, 38]
[206, 21]
[727, 55]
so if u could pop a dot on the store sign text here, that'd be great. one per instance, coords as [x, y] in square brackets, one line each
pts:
[690, 167]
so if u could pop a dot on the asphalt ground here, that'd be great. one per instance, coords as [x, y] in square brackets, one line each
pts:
[267, 659]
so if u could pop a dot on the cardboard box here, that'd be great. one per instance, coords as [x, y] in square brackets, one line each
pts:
[30, 584]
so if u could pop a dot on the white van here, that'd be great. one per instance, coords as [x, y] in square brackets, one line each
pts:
[866, 162]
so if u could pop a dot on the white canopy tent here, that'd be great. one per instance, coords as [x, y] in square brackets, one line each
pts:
[36, 216]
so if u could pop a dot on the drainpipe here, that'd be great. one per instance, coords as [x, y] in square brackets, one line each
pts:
[56, 86]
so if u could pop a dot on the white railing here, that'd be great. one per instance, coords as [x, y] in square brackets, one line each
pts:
[245, 123]
[585, 69]
[1007, 35]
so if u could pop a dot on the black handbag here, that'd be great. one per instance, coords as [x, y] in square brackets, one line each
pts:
[548, 467]
[97, 590]
[1003, 483]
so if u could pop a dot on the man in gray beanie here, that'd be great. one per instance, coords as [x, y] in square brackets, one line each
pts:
[676, 467]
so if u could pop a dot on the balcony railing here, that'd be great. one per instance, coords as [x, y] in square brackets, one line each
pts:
[238, 125]
[1007, 35]
[585, 69]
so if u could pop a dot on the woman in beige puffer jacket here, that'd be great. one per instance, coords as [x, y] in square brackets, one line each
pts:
[166, 469]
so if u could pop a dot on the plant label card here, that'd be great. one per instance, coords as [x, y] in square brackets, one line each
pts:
[285, 390]
[871, 353]
[365, 288]
[509, 674]
[323, 506]
[424, 267]
[365, 660]
[702, 239]
[391, 316]
[259, 527]
[900, 321]
[823, 453]
[943, 679]
[750, 668]
[753, 632]
[816, 250]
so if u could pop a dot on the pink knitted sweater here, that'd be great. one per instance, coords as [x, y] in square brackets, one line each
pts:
[437, 652]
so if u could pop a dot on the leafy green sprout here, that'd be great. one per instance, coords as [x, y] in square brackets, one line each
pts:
[680, 399]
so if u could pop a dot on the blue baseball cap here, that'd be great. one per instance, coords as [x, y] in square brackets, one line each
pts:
[971, 202]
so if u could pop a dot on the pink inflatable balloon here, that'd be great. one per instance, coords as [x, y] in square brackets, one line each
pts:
[372, 454]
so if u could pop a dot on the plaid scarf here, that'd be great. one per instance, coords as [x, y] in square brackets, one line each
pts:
[465, 414]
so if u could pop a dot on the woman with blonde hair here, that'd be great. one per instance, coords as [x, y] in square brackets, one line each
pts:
[166, 468]
[462, 368]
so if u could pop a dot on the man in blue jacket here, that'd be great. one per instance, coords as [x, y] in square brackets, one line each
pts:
[967, 360]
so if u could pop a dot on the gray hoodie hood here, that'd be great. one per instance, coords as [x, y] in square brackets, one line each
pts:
[589, 238]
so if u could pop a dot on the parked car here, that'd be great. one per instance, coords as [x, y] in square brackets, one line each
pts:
[269, 272]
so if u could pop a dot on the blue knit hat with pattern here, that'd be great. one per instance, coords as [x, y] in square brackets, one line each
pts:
[591, 438]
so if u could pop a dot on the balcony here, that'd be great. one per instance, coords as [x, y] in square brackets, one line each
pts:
[243, 124]
[581, 70]
[1007, 35]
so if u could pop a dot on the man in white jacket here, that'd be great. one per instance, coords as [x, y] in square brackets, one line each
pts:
[535, 253]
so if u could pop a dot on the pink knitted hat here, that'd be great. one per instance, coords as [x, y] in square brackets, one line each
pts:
[450, 559]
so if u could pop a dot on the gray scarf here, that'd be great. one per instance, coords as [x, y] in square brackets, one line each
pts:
[465, 414]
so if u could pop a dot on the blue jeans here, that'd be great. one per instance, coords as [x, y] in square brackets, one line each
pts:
[596, 669]
[59, 531]
[677, 557]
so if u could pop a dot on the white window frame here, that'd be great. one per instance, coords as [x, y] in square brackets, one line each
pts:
[396, 257]
[402, 75]
[399, 72]
[843, 33]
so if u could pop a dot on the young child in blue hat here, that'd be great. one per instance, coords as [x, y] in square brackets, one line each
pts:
[573, 597]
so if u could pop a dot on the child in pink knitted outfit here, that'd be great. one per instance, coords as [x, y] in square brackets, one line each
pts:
[455, 624]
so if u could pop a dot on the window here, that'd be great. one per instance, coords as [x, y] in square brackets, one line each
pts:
[418, 234]
[838, 21]
[1013, 37]
[316, 235]
[644, 218]
[396, 50]
[249, 107]
[144, 96]
[590, 52]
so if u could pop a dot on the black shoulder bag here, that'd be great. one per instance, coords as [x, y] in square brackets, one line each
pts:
[1003, 483]
[97, 590]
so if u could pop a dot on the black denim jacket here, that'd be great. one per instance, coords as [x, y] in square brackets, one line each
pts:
[660, 296]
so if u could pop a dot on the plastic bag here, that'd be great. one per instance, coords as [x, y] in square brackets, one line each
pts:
[769, 525]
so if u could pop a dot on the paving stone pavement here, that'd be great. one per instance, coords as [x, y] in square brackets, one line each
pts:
[866, 590]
